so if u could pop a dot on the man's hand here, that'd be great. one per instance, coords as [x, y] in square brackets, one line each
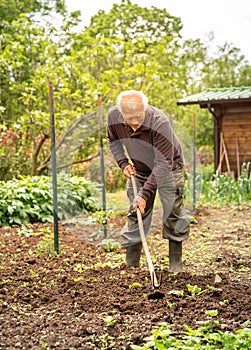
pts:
[139, 203]
[129, 171]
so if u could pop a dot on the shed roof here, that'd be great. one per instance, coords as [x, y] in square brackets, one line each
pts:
[218, 96]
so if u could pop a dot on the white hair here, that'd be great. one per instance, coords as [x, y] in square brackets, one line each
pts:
[132, 92]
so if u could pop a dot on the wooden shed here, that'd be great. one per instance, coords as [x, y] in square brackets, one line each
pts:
[231, 109]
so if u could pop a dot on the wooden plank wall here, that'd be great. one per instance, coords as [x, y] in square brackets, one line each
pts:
[236, 130]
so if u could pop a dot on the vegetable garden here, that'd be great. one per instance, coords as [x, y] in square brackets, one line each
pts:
[85, 297]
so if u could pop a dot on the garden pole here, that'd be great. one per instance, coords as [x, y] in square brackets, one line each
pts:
[194, 161]
[54, 168]
[100, 122]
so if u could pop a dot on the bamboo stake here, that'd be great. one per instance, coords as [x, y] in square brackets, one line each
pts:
[225, 151]
[237, 156]
[221, 155]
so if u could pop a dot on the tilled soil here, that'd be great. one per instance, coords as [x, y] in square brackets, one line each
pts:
[86, 298]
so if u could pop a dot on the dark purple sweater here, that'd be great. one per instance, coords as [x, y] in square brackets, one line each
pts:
[154, 148]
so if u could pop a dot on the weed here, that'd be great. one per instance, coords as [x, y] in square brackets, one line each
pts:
[135, 284]
[79, 267]
[46, 246]
[169, 304]
[110, 245]
[28, 231]
[109, 321]
[178, 293]
[193, 290]
[211, 313]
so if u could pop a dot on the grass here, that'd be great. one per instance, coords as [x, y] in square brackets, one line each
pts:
[117, 201]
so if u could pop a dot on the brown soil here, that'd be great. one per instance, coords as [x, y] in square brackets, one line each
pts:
[86, 298]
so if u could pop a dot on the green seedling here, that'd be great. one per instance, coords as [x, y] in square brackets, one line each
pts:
[110, 245]
[178, 293]
[92, 280]
[192, 220]
[135, 284]
[194, 290]
[46, 246]
[77, 279]
[169, 304]
[211, 313]
[79, 268]
[214, 289]
[110, 321]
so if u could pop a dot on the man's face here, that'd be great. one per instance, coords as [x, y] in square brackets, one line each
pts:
[135, 119]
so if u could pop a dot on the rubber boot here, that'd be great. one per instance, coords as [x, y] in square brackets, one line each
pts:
[133, 253]
[175, 256]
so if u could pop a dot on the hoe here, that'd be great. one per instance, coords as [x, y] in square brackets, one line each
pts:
[154, 280]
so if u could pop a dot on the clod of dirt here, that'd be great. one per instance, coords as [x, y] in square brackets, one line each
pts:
[156, 295]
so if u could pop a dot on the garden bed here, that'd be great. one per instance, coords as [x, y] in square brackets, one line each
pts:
[86, 298]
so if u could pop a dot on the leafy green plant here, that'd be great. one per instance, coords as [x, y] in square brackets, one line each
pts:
[211, 313]
[193, 290]
[223, 302]
[169, 304]
[205, 337]
[46, 246]
[135, 284]
[79, 267]
[225, 189]
[29, 199]
[208, 172]
[178, 293]
[110, 321]
[110, 245]
[28, 231]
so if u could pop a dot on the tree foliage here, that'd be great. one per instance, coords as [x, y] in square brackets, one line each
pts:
[10, 10]
[130, 47]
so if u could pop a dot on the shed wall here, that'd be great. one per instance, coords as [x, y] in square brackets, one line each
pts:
[235, 125]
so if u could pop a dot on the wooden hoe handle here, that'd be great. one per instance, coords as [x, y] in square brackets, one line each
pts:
[143, 239]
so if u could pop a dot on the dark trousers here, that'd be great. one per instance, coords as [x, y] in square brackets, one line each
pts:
[174, 218]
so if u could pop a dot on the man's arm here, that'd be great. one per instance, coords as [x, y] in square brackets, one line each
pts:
[115, 144]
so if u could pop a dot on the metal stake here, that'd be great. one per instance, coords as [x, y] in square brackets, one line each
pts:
[194, 162]
[54, 168]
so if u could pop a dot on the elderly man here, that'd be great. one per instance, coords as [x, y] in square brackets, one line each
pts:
[144, 145]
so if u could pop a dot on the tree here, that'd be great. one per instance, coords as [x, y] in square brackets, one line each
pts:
[223, 69]
[143, 49]
[130, 47]
[10, 10]
[26, 51]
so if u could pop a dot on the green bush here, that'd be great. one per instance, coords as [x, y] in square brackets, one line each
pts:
[206, 337]
[208, 172]
[29, 199]
[225, 189]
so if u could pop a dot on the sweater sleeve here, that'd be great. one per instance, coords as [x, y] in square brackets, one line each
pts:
[115, 144]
